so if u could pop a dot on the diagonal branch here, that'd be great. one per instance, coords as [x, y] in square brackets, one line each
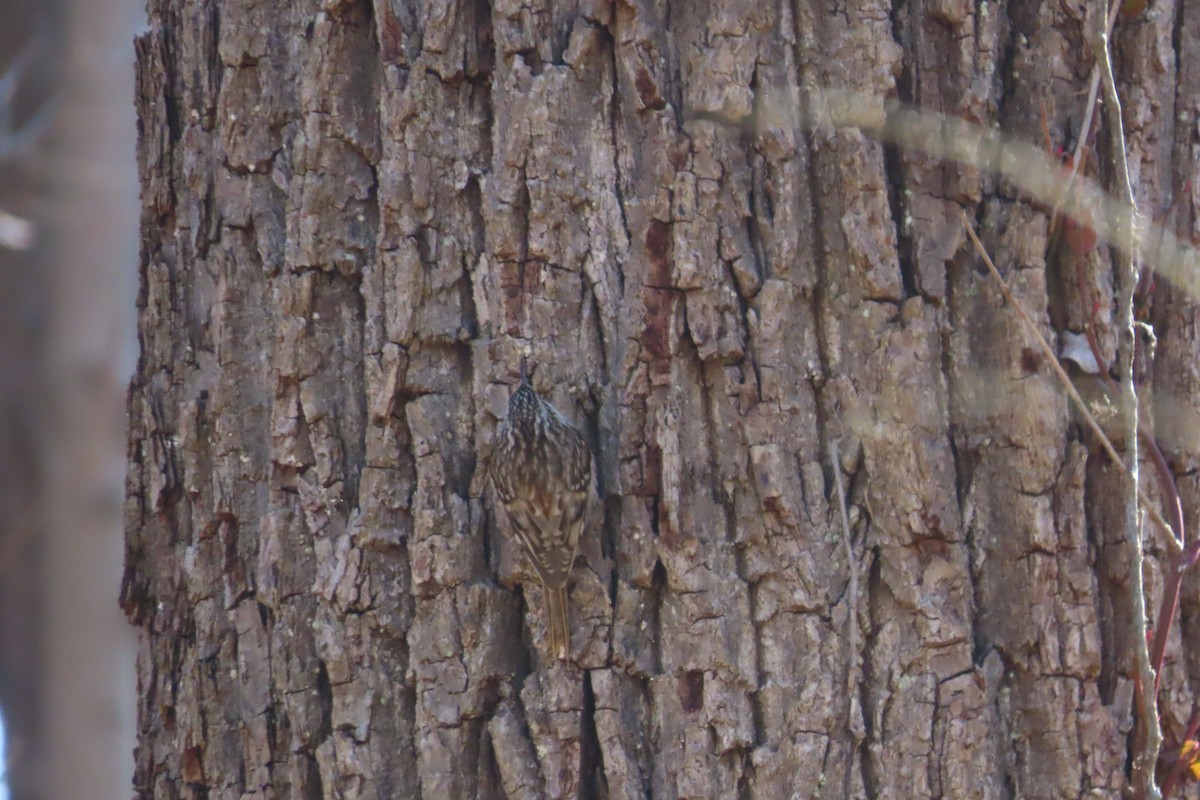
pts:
[1063, 378]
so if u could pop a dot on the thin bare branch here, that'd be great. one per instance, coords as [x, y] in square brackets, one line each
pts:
[854, 726]
[1089, 111]
[1150, 736]
[1063, 378]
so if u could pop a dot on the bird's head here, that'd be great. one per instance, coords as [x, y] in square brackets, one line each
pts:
[525, 405]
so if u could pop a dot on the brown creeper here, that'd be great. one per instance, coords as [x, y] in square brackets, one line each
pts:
[542, 470]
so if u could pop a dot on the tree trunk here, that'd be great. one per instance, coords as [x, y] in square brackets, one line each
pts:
[358, 217]
[66, 324]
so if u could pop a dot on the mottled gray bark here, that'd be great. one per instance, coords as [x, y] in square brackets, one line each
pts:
[356, 217]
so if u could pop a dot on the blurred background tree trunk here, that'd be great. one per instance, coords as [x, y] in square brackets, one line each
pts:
[356, 217]
[66, 349]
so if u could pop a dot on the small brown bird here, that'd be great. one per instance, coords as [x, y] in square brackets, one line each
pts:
[542, 470]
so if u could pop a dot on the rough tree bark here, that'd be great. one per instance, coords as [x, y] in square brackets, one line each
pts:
[357, 216]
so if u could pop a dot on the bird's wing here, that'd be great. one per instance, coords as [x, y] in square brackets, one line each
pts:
[576, 463]
[550, 532]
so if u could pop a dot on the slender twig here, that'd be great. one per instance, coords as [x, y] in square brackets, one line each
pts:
[1180, 560]
[1090, 110]
[1063, 378]
[1085, 128]
[1146, 755]
[852, 566]
[1166, 478]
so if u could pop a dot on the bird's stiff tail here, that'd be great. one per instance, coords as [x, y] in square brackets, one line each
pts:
[556, 620]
